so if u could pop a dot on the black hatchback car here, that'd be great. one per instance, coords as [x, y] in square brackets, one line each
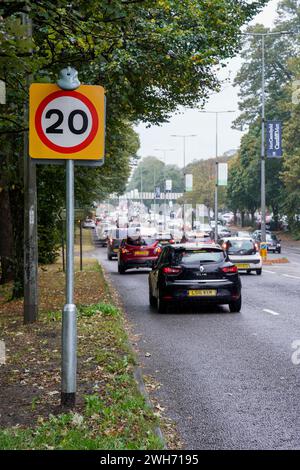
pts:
[194, 273]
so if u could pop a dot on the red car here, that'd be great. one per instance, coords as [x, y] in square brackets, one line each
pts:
[138, 253]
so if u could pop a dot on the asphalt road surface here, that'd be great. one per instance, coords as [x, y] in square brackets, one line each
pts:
[227, 379]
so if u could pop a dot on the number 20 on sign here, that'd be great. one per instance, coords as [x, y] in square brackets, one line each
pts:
[66, 124]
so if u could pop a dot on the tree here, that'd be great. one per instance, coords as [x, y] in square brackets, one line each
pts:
[152, 172]
[281, 51]
[150, 56]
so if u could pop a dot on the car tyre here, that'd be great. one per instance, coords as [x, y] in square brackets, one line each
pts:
[259, 271]
[279, 251]
[152, 300]
[161, 304]
[109, 257]
[248, 271]
[236, 305]
[121, 269]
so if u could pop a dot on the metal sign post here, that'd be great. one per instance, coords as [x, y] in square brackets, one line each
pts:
[67, 126]
[69, 327]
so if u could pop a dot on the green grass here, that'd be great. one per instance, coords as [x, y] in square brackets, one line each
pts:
[114, 416]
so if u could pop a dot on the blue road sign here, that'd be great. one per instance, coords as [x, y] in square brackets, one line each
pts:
[274, 139]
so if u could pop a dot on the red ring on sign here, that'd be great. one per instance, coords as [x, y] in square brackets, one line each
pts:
[59, 148]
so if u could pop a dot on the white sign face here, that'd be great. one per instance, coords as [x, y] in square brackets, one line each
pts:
[66, 121]
[168, 185]
[222, 174]
[189, 182]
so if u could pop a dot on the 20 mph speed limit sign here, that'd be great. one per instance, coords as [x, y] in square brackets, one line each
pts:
[66, 124]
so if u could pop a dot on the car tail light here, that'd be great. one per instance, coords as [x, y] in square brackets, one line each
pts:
[172, 241]
[168, 270]
[157, 250]
[257, 246]
[230, 269]
[124, 251]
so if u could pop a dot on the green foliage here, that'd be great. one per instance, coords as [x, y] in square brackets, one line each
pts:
[99, 309]
[152, 172]
[204, 180]
[282, 68]
[151, 57]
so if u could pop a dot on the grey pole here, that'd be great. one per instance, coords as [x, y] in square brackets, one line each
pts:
[183, 207]
[69, 327]
[216, 186]
[30, 218]
[164, 153]
[263, 159]
[165, 192]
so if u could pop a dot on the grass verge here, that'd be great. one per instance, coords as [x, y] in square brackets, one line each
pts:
[110, 413]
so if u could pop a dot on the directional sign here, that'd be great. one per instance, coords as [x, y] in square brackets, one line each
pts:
[274, 139]
[66, 124]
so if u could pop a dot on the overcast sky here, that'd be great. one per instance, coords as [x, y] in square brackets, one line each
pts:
[191, 121]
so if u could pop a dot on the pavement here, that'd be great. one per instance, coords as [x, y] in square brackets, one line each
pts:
[228, 380]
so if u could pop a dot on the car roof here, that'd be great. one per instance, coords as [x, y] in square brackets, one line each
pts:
[240, 239]
[195, 246]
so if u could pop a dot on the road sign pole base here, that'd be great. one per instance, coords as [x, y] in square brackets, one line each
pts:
[68, 400]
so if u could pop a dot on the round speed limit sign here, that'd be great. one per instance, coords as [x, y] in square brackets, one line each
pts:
[66, 124]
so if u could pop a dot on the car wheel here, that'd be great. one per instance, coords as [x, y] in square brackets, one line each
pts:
[248, 271]
[258, 272]
[121, 269]
[152, 299]
[109, 257]
[161, 304]
[279, 250]
[236, 305]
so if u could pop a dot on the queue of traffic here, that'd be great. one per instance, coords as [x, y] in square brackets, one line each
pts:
[187, 266]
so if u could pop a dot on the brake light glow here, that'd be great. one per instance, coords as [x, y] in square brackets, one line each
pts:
[230, 269]
[168, 270]
[157, 250]
[124, 251]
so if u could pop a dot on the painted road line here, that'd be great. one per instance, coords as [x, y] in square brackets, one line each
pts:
[270, 311]
[271, 272]
[290, 276]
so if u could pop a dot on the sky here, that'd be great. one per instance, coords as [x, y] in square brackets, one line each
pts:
[191, 121]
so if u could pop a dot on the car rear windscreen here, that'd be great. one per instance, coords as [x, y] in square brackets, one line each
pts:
[140, 241]
[240, 247]
[199, 256]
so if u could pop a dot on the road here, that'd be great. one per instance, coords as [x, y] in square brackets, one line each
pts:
[227, 379]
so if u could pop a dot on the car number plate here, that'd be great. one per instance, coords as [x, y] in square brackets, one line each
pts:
[202, 293]
[116, 250]
[141, 253]
[243, 266]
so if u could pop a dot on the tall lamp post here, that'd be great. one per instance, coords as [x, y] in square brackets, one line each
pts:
[164, 151]
[184, 137]
[216, 113]
[263, 117]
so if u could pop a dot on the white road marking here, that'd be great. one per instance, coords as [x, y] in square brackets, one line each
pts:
[270, 311]
[289, 275]
[271, 272]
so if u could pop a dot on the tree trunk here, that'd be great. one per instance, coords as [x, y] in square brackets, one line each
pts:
[242, 218]
[17, 210]
[6, 238]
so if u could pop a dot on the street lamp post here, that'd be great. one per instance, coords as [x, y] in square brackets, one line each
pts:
[263, 117]
[164, 151]
[184, 137]
[216, 176]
